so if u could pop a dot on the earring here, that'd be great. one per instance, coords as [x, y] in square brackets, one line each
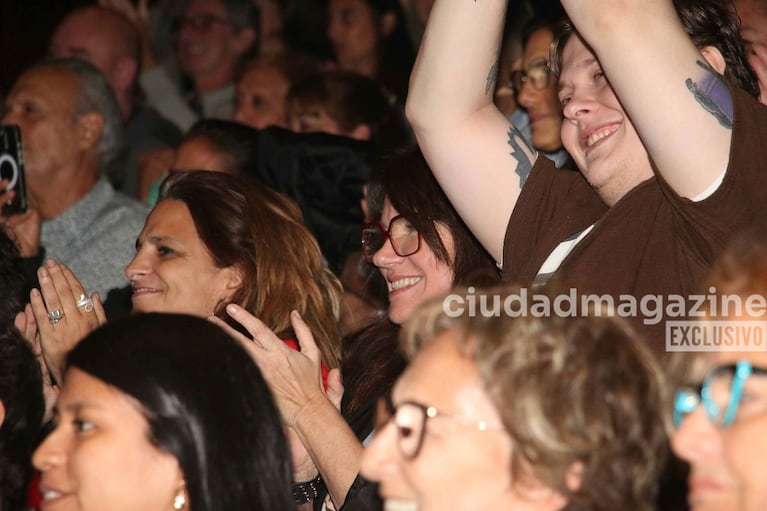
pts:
[179, 502]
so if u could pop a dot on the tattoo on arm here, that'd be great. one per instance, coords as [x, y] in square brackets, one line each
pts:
[492, 75]
[521, 152]
[712, 93]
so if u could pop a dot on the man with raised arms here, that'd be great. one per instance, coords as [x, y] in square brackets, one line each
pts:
[667, 142]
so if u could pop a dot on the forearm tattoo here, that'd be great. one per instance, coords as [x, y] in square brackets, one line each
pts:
[521, 152]
[712, 93]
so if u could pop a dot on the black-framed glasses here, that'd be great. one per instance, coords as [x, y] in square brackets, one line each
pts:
[537, 74]
[405, 239]
[410, 418]
[720, 393]
[198, 22]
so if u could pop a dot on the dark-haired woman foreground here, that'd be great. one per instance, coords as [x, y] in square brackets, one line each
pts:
[162, 412]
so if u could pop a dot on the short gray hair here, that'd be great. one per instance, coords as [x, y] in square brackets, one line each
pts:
[95, 95]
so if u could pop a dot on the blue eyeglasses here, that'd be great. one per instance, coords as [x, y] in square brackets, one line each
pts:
[720, 393]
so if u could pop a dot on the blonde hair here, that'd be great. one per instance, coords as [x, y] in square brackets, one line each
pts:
[570, 391]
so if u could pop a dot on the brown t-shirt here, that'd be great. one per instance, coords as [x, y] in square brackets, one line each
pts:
[652, 242]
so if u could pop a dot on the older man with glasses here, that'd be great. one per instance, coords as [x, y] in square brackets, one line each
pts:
[211, 38]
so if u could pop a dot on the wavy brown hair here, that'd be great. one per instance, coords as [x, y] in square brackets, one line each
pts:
[578, 396]
[262, 233]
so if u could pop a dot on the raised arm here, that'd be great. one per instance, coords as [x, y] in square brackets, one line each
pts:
[475, 153]
[681, 108]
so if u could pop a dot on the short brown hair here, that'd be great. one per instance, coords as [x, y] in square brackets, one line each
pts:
[569, 391]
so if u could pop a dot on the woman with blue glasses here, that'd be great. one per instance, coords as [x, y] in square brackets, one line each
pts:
[721, 421]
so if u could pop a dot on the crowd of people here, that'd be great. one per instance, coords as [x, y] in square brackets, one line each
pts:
[379, 254]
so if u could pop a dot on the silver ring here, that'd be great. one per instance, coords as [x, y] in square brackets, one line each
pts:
[85, 302]
[55, 316]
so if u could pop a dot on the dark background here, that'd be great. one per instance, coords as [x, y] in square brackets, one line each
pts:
[25, 26]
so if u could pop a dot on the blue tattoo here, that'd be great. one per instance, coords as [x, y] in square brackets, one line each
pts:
[518, 146]
[712, 93]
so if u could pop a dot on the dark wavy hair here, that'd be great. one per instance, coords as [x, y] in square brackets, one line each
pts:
[21, 394]
[406, 180]
[205, 403]
[708, 23]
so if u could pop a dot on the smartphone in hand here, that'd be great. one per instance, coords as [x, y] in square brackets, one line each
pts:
[12, 169]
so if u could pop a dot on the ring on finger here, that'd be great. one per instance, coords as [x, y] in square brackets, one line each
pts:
[55, 316]
[85, 303]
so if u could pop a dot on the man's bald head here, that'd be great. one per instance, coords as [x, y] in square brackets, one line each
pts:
[104, 38]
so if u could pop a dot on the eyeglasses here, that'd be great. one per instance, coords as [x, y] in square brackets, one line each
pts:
[410, 419]
[405, 239]
[198, 22]
[538, 74]
[720, 394]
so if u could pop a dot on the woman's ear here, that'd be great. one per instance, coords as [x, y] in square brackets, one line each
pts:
[234, 277]
[714, 58]
[2, 413]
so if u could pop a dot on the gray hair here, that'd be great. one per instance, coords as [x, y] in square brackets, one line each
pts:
[95, 95]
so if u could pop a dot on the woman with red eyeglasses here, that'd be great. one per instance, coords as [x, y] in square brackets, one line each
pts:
[422, 249]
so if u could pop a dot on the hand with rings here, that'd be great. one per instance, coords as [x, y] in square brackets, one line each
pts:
[64, 313]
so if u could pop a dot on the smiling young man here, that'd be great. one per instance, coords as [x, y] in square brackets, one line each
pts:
[669, 151]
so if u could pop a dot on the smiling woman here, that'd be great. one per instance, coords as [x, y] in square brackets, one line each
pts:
[163, 412]
[498, 413]
[422, 249]
[213, 239]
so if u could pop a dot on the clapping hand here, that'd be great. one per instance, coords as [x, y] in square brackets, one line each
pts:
[63, 312]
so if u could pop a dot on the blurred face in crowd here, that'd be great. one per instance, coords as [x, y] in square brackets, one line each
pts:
[414, 278]
[727, 461]
[41, 103]
[271, 26]
[101, 38]
[353, 32]
[207, 42]
[172, 270]
[314, 119]
[198, 154]
[538, 92]
[445, 446]
[260, 97]
[100, 453]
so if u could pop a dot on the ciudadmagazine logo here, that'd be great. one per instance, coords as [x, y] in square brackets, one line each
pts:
[686, 325]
